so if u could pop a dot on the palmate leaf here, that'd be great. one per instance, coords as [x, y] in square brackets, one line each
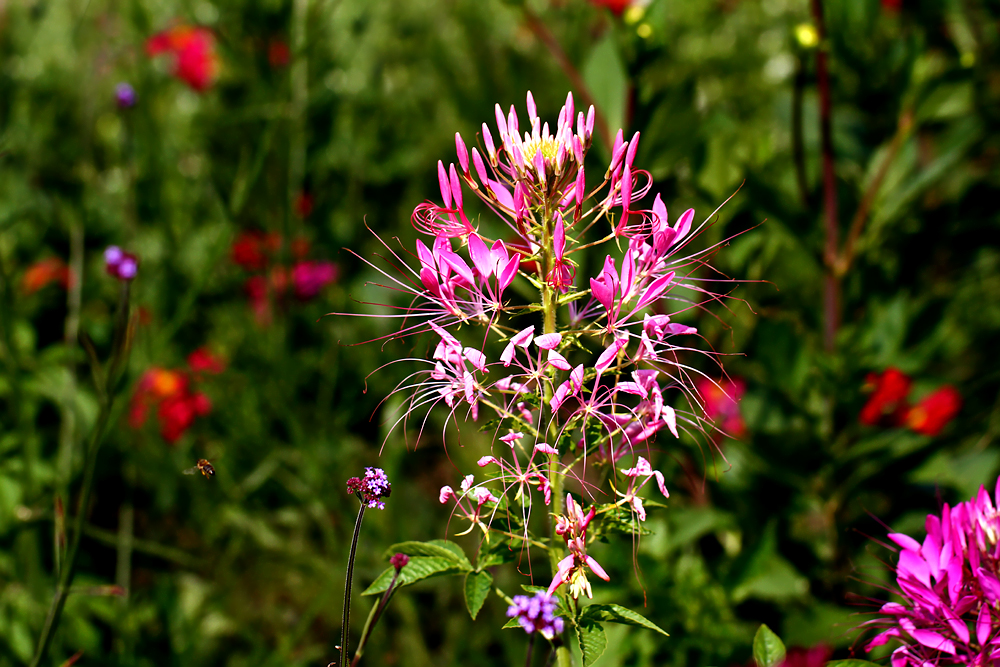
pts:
[593, 640]
[768, 649]
[614, 613]
[477, 588]
[419, 567]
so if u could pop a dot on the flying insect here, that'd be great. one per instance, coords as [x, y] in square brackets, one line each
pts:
[203, 466]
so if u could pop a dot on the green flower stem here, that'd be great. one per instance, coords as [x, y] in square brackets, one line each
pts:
[550, 304]
[382, 604]
[347, 588]
[69, 567]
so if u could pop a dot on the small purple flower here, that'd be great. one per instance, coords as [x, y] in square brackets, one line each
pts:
[125, 95]
[536, 613]
[371, 488]
[120, 264]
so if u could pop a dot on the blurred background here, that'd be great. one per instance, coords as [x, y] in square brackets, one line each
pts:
[236, 146]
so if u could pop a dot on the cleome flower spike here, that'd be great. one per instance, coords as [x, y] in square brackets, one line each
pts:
[565, 371]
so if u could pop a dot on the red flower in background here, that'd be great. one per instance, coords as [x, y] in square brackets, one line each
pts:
[888, 400]
[171, 390]
[617, 7]
[44, 272]
[193, 50]
[278, 54]
[203, 360]
[304, 205]
[252, 250]
[722, 403]
[892, 6]
[888, 406]
[933, 413]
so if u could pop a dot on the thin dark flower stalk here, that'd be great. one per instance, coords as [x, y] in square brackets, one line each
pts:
[531, 646]
[831, 289]
[347, 588]
[69, 567]
[370, 489]
[123, 266]
[377, 613]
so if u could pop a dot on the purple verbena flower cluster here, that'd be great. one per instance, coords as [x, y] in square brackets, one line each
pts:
[537, 614]
[120, 264]
[371, 488]
[950, 587]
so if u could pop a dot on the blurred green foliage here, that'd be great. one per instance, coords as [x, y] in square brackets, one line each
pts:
[246, 568]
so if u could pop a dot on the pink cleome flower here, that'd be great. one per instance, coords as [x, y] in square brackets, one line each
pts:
[950, 589]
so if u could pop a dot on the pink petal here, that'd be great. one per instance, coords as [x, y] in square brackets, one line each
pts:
[655, 289]
[608, 356]
[444, 184]
[596, 567]
[558, 361]
[549, 341]
[480, 256]
[683, 225]
[463, 153]
[456, 187]
[546, 449]
[486, 460]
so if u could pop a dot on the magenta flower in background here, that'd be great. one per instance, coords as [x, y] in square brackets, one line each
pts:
[950, 589]
[309, 278]
[120, 264]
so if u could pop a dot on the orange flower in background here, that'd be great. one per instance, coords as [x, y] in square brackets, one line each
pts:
[932, 414]
[617, 7]
[44, 272]
[193, 50]
[170, 390]
[888, 400]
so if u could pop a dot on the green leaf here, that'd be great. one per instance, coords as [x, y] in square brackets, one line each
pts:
[477, 587]
[495, 553]
[851, 663]
[434, 549]
[614, 613]
[593, 641]
[419, 567]
[768, 650]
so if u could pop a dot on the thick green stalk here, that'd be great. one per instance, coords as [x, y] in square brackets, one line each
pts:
[347, 589]
[69, 567]
[550, 304]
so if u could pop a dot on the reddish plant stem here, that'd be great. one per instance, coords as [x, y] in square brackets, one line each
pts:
[831, 287]
[847, 255]
[543, 33]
